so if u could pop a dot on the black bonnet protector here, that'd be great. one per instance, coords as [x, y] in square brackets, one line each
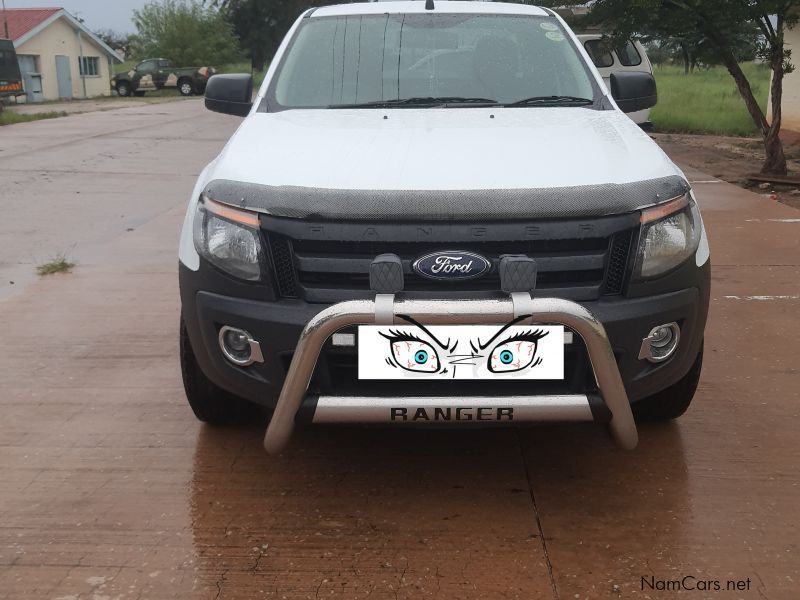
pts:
[447, 205]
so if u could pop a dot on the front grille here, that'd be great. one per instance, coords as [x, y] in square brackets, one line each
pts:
[282, 267]
[577, 267]
[618, 263]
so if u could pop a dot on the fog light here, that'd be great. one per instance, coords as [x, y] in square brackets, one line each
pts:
[239, 347]
[661, 343]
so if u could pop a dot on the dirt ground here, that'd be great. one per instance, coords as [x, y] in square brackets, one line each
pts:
[732, 159]
[90, 105]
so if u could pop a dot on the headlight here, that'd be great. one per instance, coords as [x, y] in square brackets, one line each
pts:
[670, 235]
[228, 238]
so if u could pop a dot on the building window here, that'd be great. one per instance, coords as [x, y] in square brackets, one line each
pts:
[28, 63]
[89, 66]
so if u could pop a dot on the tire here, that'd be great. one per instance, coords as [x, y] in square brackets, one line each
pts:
[672, 402]
[139, 93]
[124, 89]
[185, 87]
[210, 403]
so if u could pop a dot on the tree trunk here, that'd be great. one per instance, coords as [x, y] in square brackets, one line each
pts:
[686, 58]
[775, 161]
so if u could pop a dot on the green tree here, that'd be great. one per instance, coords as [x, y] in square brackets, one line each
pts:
[260, 25]
[721, 25]
[115, 40]
[185, 32]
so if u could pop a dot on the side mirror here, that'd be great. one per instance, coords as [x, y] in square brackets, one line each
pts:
[634, 91]
[230, 94]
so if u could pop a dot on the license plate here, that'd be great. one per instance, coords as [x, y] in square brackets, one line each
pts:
[478, 352]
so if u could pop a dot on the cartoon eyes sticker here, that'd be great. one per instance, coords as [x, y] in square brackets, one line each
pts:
[413, 354]
[515, 353]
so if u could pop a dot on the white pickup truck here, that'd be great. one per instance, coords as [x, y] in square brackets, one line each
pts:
[628, 57]
[438, 212]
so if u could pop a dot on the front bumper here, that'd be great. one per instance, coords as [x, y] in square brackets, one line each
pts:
[387, 310]
[278, 325]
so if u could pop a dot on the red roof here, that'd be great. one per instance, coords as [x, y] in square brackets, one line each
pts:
[22, 20]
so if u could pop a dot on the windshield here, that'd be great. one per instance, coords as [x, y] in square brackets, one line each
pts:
[377, 59]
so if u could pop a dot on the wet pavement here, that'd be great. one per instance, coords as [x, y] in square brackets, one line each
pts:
[109, 488]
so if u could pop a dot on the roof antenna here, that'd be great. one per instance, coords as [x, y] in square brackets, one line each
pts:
[429, 5]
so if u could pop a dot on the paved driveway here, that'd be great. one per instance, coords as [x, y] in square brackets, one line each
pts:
[110, 489]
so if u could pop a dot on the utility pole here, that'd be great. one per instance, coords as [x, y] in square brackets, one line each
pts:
[5, 18]
[5, 26]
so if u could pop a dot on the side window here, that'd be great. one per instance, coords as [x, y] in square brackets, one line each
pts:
[7, 58]
[89, 66]
[164, 64]
[628, 55]
[600, 53]
[147, 66]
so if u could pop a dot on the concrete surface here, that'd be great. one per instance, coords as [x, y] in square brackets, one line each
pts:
[110, 489]
[90, 105]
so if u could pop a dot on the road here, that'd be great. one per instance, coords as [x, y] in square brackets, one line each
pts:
[91, 105]
[110, 489]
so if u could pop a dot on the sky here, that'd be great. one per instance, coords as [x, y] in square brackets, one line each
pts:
[97, 14]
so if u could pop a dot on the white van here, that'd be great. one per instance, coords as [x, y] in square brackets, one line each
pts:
[631, 57]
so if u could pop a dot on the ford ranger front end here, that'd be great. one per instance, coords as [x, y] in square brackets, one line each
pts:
[440, 216]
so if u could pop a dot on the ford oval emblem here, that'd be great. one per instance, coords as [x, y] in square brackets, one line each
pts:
[452, 266]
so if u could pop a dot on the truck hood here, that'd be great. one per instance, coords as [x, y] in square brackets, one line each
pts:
[360, 163]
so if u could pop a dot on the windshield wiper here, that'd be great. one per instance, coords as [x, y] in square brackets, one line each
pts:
[461, 100]
[552, 101]
[427, 101]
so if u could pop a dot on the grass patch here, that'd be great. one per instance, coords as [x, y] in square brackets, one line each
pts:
[244, 67]
[59, 264]
[125, 66]
[707, 101]
[9, 117]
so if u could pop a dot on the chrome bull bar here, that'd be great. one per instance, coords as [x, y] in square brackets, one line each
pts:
[386, 310]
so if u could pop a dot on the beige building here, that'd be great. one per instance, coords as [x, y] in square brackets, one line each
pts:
[790, 101]
[58, 56]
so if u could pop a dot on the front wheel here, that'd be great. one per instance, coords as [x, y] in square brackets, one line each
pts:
[185, 87]
[672, 402]
[124, 89]
[210, 403]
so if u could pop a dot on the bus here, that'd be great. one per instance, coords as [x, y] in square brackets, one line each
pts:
[10, 78]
